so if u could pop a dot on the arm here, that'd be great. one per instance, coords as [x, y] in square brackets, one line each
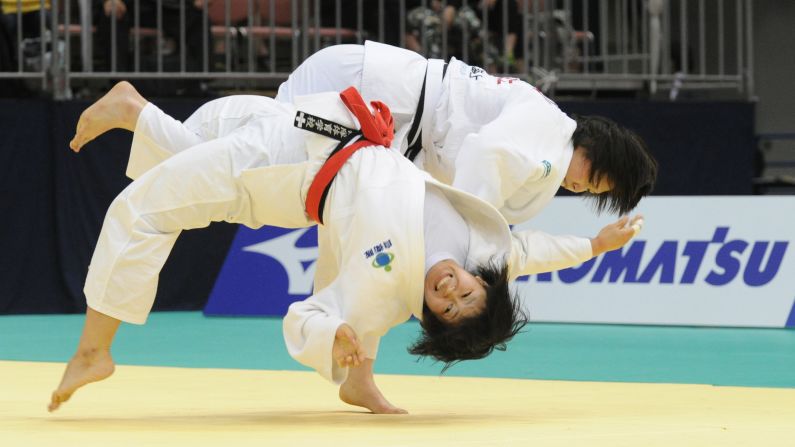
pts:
[538, 252]
[310, 328]
[518, 152]
[493, 167]
[535, 252]
[320, 335]
[360, 389]
[318, 339]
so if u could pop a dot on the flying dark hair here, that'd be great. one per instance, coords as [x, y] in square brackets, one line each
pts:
[620, 155]
[475, 337]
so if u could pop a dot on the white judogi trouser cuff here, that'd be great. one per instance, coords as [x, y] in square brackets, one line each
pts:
[189, 190]
[157, 137]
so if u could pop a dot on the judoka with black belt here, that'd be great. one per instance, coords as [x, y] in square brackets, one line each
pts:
[500, 139]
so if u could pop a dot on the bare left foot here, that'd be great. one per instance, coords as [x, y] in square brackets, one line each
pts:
[84, 368]
[119, 108]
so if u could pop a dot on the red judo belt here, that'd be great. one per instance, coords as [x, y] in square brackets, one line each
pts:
[377, 129]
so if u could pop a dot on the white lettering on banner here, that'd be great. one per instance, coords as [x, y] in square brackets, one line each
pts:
[292, 258]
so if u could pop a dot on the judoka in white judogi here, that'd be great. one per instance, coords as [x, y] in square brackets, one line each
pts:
[372, 249]
[498, 138]
[257, 171]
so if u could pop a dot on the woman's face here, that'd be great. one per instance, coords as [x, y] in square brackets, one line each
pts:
[452, 293]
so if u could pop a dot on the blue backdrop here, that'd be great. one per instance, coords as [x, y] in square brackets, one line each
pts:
[53, 203]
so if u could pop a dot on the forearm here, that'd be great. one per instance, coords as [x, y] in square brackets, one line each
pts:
[309, 333]
[597, 246]
[536, 252]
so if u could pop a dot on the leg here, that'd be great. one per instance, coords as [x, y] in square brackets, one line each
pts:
[360, 389]
[119, 108]
[124, 108]
[158, 136]
[92, 362]
[187, 191]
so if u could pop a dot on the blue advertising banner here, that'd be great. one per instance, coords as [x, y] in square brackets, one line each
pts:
[265, 270]
[715, 261]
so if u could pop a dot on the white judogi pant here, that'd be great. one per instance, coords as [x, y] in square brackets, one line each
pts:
[177, 189]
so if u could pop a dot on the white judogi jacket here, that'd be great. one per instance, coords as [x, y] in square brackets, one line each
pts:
[497, 138]
[371, 266]
[372, 247]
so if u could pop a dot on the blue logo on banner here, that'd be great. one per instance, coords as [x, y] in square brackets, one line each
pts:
[265, 271]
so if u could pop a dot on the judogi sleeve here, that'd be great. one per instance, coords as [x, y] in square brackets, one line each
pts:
[538, 252]
[514, 150]
[157, 137]
[490, 166]
[374, 225]
[309, 330]
[354, 298]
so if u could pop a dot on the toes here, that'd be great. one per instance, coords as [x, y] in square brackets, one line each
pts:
[55, 401]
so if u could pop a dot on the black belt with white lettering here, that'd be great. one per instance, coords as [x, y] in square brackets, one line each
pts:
[415, 133]
[330, 129]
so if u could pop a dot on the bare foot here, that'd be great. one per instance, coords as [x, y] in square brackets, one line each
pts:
[85, 367]
[119, 108]
[365, 394]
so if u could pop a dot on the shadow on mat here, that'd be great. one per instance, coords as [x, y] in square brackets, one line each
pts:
[302, 419]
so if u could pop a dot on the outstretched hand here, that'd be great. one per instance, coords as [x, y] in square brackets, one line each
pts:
[616, 234]
[347, 351]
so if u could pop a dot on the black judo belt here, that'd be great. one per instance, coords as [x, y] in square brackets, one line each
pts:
[415, 132]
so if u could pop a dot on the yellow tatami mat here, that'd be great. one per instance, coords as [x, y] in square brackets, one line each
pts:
[158, 406]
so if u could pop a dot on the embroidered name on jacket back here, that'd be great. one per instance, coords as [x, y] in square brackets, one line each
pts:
[321, 126]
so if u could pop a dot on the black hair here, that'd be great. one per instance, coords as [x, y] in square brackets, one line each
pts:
[620, 155]
[475, 337]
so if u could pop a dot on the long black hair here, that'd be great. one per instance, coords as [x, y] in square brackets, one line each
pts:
[620, 155]
[475, 337]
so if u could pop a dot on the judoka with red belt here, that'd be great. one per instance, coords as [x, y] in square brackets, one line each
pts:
[393, 242]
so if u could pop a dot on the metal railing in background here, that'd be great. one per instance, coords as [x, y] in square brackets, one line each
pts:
[573, 45]
[31, 49]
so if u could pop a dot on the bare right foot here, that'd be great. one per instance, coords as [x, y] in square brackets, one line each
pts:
[119, 108]
[366, 394]
[84, 368]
